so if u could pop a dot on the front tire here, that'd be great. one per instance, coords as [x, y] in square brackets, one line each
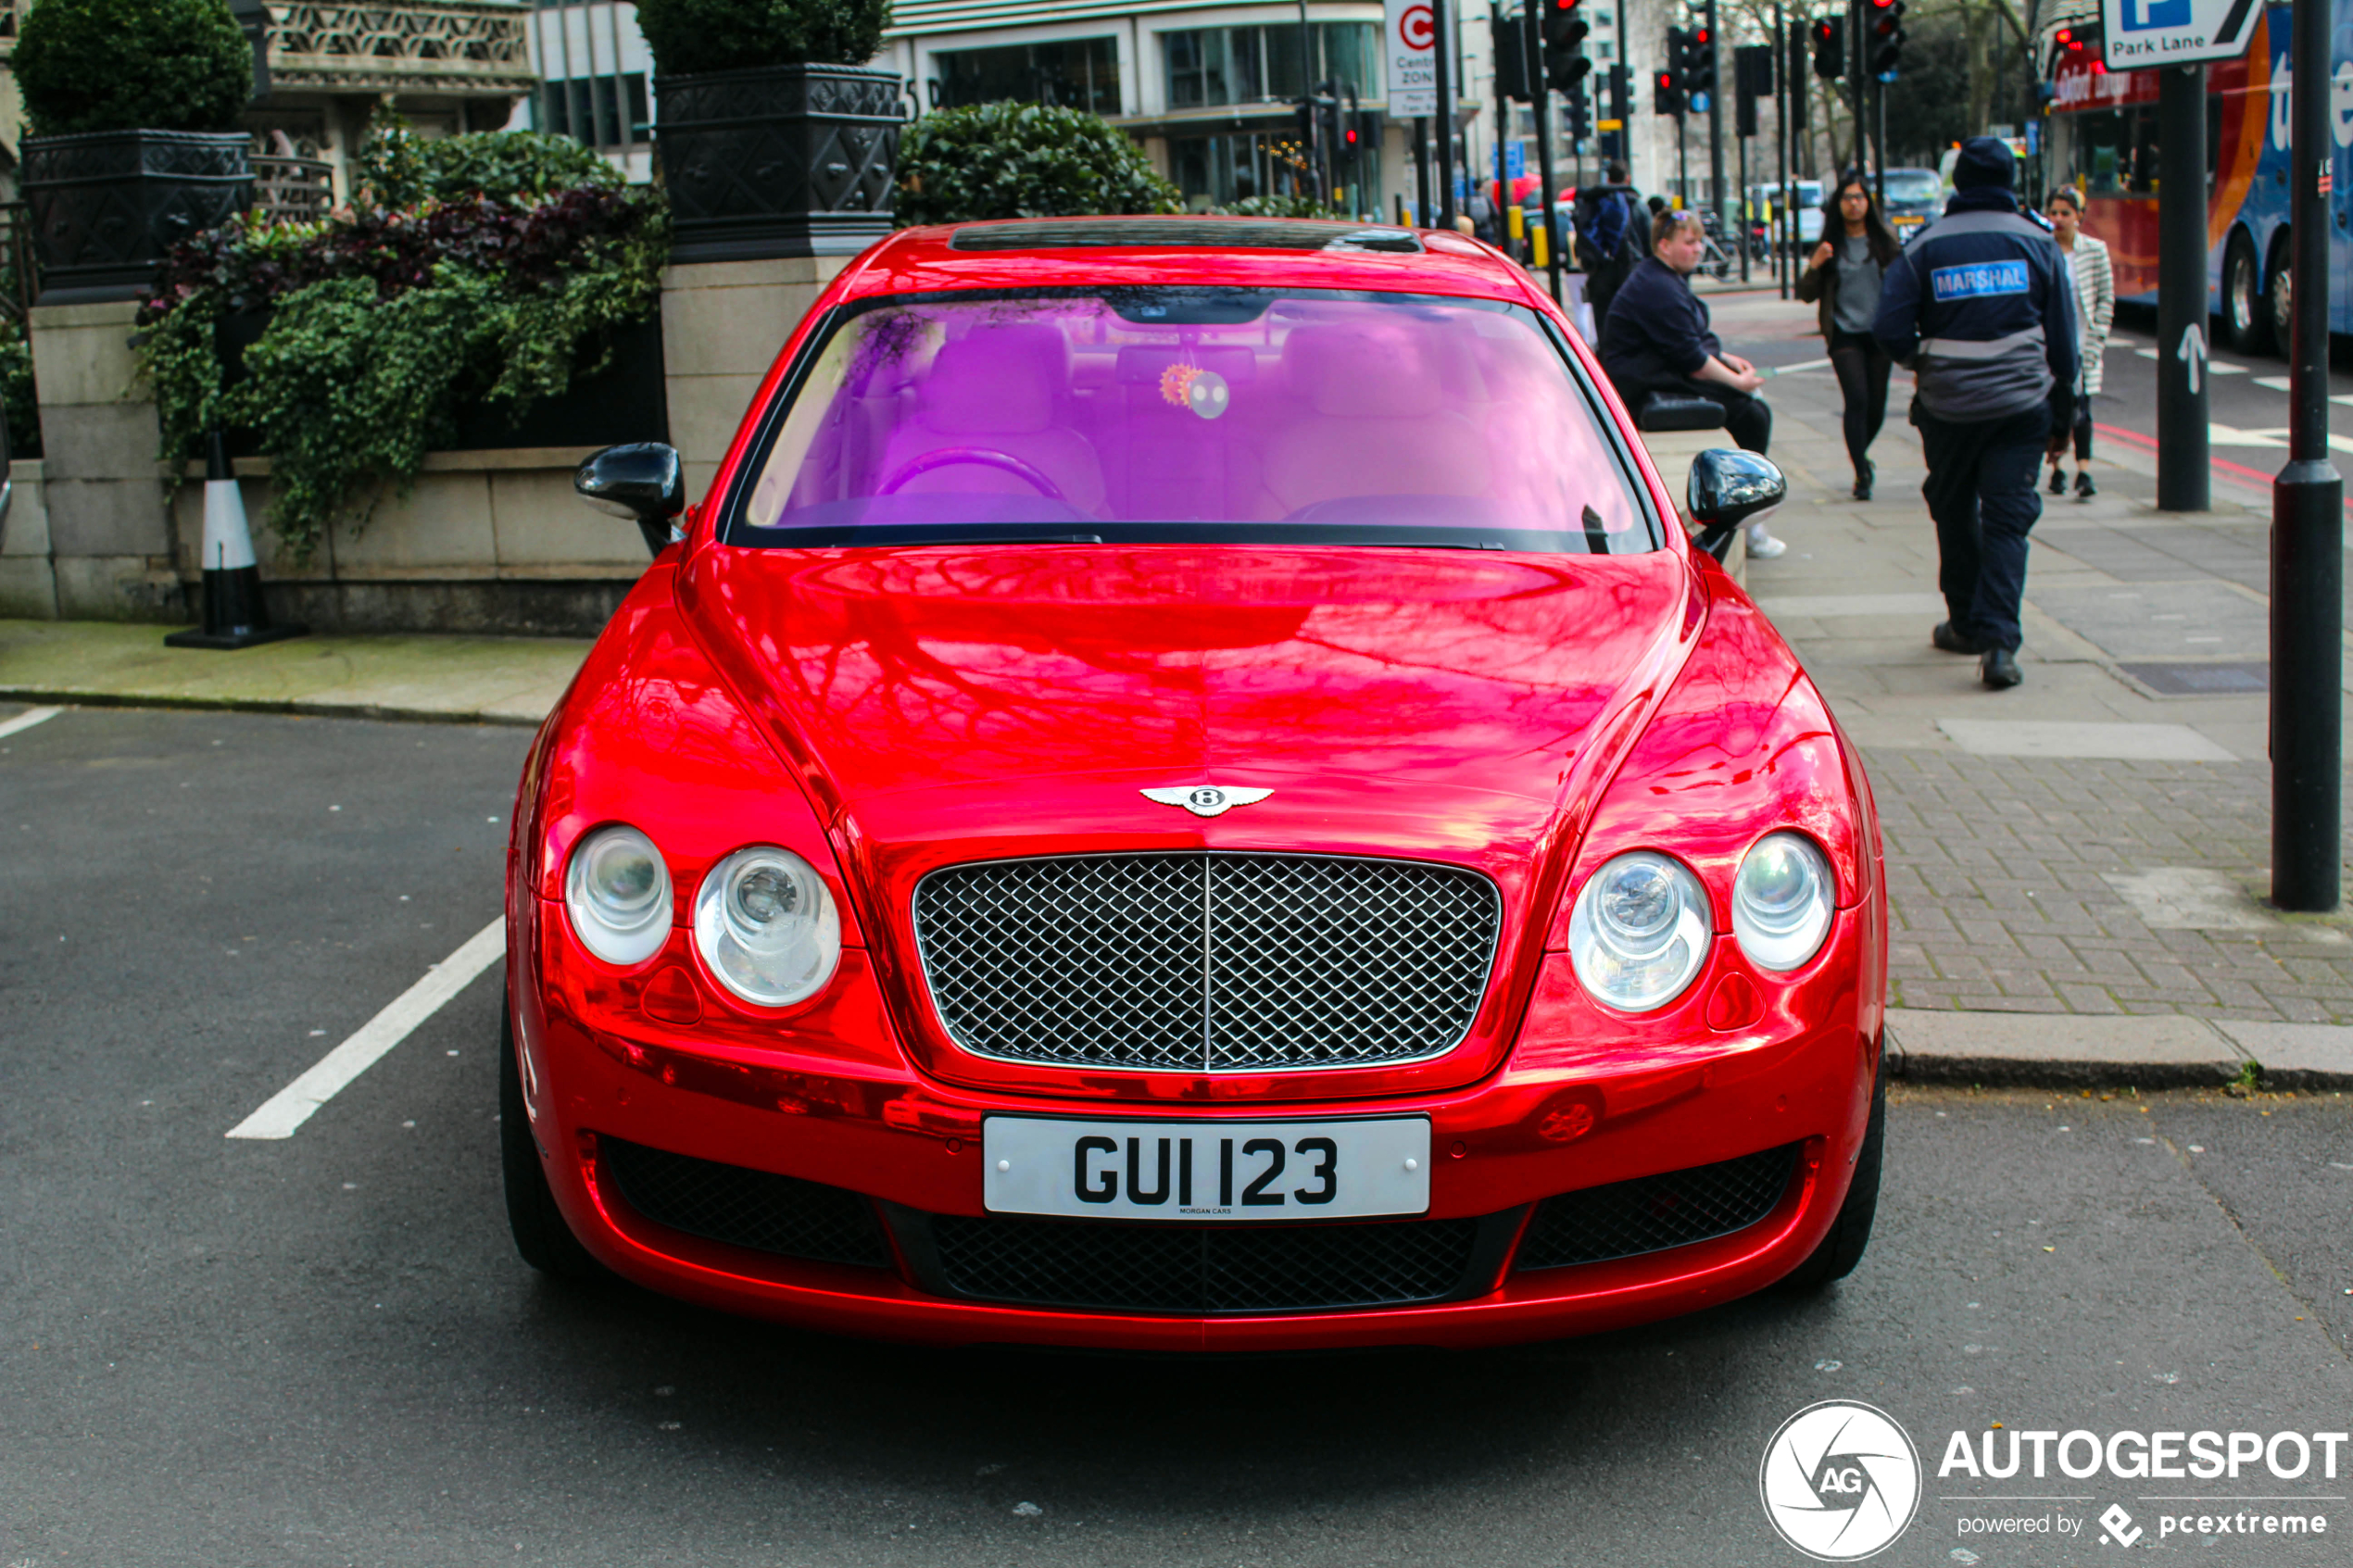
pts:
[1850, 1234]
[2246, 310]
[541, 1233]
[2282, 295]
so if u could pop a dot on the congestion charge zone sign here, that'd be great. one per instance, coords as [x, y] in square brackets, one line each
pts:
[2144, 34]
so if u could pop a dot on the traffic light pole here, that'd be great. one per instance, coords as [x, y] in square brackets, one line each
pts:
[1715, 123]
[1787, 83]
[2308, 518]
[1540, 89]
[2183, 468]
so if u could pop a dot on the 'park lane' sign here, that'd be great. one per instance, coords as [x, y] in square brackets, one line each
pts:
[2142, 34]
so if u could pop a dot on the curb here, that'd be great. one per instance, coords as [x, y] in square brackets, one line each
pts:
[66, 697]
[2077, 1051]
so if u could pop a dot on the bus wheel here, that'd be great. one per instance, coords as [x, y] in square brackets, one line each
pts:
[2246, 318]
[2283, 296]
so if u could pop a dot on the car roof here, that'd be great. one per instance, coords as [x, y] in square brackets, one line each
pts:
[1245, 252]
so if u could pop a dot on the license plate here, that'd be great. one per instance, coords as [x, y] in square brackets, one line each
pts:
[1205, 1170]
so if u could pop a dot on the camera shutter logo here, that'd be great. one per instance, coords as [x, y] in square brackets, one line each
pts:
[1839, 1481]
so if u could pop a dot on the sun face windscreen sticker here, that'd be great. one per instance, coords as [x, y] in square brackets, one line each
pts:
[1189, 387]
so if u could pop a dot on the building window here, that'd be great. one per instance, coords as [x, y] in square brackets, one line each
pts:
[1208, 67]
[603, 112]
[1077, 73]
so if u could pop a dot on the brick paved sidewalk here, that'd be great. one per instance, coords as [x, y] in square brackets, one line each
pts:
[2044, 883]
[1999, 870]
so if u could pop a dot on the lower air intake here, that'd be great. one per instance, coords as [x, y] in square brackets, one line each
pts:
[1627, 1219]
[744, 1208]
[1175, 1268]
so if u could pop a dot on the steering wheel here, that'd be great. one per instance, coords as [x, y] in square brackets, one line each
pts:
[983, 456]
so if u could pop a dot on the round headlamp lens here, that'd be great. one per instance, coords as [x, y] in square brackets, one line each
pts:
[1782, 901]
[617, 891]
[767, 926]
[1639, 931]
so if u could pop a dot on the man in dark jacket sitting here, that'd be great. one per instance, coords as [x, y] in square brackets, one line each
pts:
[1657, 337]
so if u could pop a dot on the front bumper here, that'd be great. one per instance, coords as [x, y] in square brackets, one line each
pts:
[1559, 1119]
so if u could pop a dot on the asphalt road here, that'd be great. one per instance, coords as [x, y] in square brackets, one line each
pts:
[322, 1350]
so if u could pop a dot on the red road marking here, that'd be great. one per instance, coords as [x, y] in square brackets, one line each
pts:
[2238, 473]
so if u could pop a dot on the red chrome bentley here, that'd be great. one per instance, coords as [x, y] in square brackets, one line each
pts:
[1186, 789]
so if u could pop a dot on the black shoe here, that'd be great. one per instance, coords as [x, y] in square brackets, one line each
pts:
[1951, 641]
[1863, 480]
[1999, 669]
[2058, 481]
[2085, 488]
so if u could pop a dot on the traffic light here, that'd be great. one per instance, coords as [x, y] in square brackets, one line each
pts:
[1884, 41]
[1667, 95]
[1752, 80]
[1565, 29]
[1511, 60]
[1621, 94]
[1699, 70]
[1581, 112]
[1830, 47]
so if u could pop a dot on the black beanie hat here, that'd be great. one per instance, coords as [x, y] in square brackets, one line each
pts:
[1984, 160]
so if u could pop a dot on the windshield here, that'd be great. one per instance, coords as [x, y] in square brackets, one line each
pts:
[1198, 414]
[1913, 186]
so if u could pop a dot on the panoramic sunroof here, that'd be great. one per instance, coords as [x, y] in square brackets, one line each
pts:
[1223, 233]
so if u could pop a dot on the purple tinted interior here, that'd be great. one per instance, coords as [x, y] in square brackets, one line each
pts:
[1058, 410]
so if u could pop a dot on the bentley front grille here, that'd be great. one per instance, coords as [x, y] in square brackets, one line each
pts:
[1211, 962]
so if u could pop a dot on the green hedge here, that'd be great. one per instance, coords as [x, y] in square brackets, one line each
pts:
[130, 65]
[694, 35]
[1024, 161]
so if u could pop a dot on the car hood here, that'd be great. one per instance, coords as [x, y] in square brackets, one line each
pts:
[965, 703]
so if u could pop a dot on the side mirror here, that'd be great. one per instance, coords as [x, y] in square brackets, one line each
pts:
[1725, 489]
[642, 479]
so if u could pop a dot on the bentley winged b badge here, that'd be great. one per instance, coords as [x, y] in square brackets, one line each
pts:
[1206, 801]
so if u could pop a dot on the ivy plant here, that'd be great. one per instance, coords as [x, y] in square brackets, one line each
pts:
[1024, 161]
[485, 280]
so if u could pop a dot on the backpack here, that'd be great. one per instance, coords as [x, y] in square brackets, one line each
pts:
[1601, 228]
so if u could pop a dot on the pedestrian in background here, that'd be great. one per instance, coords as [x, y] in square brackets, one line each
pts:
[1658, 339]
[1842, 279]
[2096, 301]
[1981, 307]
[1612, 229]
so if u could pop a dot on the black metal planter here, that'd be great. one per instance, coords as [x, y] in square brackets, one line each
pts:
[107, 205]
[780, 160]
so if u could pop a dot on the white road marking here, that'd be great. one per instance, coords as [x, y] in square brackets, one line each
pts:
[2224, 367]
[1792, 369]
[27, 719]
[2277, 383]
[292, 1106]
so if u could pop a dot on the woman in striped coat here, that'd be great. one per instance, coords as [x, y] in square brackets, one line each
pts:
[2095, 297]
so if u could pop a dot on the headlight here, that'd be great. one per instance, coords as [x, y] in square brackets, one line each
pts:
[1782, 901]
[618, 892]
[767, 927]
[1639, 931]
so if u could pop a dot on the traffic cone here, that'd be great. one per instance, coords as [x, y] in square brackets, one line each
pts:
[234, 616]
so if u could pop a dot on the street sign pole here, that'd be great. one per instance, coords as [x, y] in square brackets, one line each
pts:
[1442, 57]
[1539, 87]
[1784, 86]
[2307, 522]
[2183, 468]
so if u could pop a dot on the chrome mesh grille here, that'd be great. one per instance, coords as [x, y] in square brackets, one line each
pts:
[1206, 963]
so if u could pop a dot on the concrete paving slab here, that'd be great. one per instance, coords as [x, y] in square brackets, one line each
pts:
[2191, 899]
[472, 680]
[2297, 1055]
[1790, 606]
[2068, 1050]
[2129, 742]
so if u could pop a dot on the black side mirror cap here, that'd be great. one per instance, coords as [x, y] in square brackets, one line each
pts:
[1725, 489]
[642, 479]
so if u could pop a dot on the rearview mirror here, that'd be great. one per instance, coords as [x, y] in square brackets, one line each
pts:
[1725, 489]
[642, 479]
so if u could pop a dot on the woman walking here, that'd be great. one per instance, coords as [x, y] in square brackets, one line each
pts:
[1844, 275]
[2096, 296]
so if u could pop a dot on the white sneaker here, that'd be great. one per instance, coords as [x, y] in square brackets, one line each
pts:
[1761, 544]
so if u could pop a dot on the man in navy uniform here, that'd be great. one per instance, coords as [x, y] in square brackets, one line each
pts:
[1981, 307]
